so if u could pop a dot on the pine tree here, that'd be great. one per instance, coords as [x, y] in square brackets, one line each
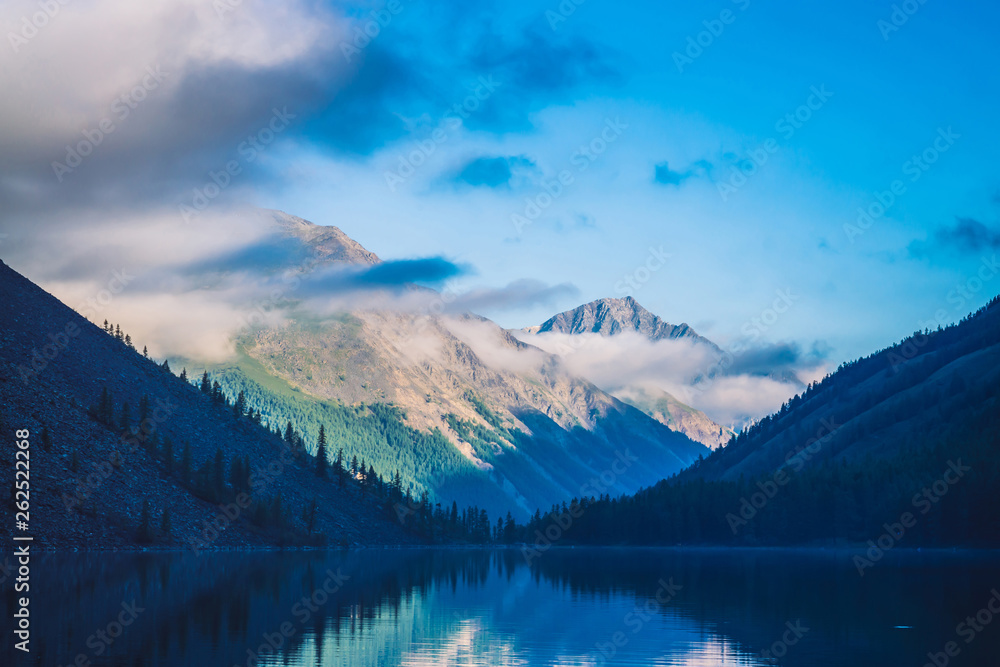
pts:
[118, 332]
[184, 374]
[206, 385]
[145, 352]
[165, 365]
[321, 452]
[397, 487]
[240, 406]
[128, 342]
[125, 423]
[289, 434]
[354, 467]
[340, 466]
[144, 407]
[105, 408]
[311, 516]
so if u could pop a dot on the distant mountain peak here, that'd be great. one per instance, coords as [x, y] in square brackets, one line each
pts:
[325, 242]
[611, 316]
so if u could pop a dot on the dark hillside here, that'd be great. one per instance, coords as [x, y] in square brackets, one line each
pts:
[100, 480]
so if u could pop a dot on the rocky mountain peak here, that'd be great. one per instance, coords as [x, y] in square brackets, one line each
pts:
[611, 316]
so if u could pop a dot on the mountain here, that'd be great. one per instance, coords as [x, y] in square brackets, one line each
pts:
[675, 415]
[324, 243]
[454, 403]
[610, 317]
[97, 481]
[907, 435]
[614, 316]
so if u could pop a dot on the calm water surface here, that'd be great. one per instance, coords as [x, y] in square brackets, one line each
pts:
[455, 607]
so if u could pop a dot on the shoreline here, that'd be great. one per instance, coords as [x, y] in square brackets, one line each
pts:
[852, 549]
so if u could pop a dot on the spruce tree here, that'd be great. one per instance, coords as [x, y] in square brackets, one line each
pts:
[311, 516]
[321, 452]
[105, 407]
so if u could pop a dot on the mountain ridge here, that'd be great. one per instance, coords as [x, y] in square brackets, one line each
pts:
[611, 316]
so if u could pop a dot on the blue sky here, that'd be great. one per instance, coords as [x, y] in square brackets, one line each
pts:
[783, 229]
[671, 133]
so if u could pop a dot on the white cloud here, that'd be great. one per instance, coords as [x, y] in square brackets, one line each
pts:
[677, 366]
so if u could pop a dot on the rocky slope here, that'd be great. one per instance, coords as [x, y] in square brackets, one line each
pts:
[610, 317]
[89, 483]
[528, 434]
[676, 416]
[614, 316]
